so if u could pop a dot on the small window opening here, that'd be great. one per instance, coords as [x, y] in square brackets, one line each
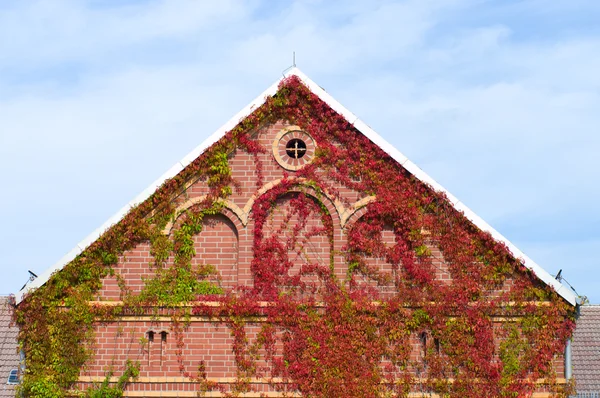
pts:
[150, 341]
[163, 345]
[423, 338]
[436, 343]
[13, 377]
[295, 148]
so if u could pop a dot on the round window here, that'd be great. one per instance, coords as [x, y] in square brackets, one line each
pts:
[293, 148]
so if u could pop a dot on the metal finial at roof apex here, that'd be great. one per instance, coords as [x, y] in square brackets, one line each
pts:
[286, 71]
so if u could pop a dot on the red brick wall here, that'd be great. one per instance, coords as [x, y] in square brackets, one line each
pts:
[226, 243]
[217, 245]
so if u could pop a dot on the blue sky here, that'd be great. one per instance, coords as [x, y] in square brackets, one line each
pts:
[496, 100]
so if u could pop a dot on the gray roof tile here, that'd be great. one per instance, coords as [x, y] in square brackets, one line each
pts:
[9, 357]
[586, 349]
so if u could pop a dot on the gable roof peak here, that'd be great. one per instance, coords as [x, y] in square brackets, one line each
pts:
[358, 124]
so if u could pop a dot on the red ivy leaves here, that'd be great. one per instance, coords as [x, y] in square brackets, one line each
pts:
[328, 335]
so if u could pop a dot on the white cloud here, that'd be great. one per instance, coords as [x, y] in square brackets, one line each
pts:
[48, 32]
[96, 102]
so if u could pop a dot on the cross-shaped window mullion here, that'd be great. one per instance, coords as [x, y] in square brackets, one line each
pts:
[295, 148]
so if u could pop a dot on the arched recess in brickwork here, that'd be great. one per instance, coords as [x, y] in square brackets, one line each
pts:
[304, 235]
[436, 257]
[377, 269]
[218, 245]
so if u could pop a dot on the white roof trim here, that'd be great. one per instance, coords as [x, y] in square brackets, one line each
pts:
[562, 290]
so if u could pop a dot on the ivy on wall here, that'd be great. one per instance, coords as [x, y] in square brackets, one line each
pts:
[324, 335]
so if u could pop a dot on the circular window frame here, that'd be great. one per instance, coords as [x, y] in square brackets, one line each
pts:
[283, 137]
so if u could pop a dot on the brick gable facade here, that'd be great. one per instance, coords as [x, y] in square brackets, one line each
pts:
[188, 349]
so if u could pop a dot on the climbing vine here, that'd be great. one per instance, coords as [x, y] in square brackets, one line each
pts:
[108, 390]
[488, 328]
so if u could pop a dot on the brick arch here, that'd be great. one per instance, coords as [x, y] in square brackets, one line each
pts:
[356, 211]
[237, 215]
[218, 242]
[442, 273]
[333, 205]
[308, 248]
[388, 238]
